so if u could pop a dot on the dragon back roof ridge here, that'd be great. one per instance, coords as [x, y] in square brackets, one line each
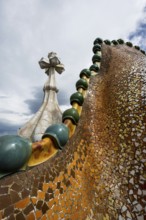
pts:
[102, 163]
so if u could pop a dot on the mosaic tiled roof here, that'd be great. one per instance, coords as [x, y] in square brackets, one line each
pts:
[97, 154]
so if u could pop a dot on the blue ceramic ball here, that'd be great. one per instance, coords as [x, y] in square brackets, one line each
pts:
[14, 152]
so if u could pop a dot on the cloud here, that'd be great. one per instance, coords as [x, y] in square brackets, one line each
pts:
[35, 102]
[7, 128]
[3, 97]
[63, 97]
[138, 35]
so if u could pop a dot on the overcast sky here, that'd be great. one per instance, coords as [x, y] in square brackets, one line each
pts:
[29, 29]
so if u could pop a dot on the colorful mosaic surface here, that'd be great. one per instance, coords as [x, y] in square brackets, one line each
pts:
[101, 172]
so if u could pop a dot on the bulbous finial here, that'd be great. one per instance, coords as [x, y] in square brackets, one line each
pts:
[14, 152]
[59, 134]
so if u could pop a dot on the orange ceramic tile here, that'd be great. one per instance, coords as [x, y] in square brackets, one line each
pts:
[76, 155]
[61, 215]
[41, 195]
[49, 214]
[45, 187]
[51, 203]
[38, 214]
[31, 216]
[64, 187]
[56, 193]
[23, 203]
[72, 180]
[75, 216]
[56, 201]
[68, 171]
[62, 202]
[52, 185]
[0, 215]
[55, 217]
[34, 200]
[44, 217]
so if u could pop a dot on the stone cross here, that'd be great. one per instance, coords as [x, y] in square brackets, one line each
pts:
[51, 61]
[51, 64]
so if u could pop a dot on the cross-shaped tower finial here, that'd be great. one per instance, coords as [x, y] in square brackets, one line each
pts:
[49, 112]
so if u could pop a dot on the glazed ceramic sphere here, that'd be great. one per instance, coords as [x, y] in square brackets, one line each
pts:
[129, 44]
[115, 42]
[107, 42]
[98, 41]
[96, 48]
[71, 114]
[85, 72]
[14, 152]
[96, 58]
[142, 51]
[82, 83]
[120, 41]
[94, 68]
[137, 47]
[77, 97]
[59, 133]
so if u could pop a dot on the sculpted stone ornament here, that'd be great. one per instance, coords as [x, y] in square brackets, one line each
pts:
[49, 112]
[53, 61]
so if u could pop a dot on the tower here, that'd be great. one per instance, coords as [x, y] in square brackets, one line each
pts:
[49, 112]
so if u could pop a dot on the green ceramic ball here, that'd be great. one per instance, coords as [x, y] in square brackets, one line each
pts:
[96, 48]
[137, 47]
[107, 42]
[115, 42]
[59, 133]
[71, 114]
[82, 83]
[77, 97]
[14, 152]
[120, 41]
[129, 44]
[142, 51]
